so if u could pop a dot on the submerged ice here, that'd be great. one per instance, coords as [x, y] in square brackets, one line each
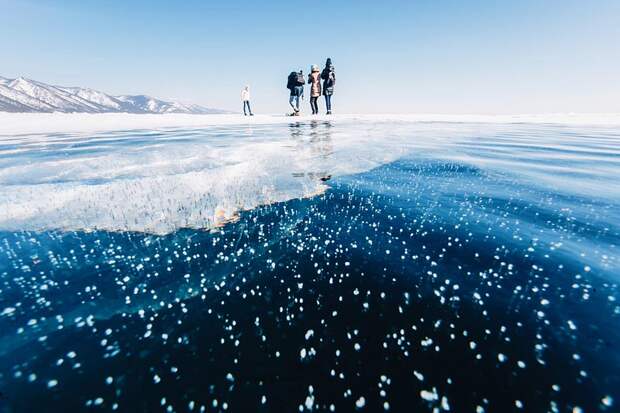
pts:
[160, 181]
[443, 267]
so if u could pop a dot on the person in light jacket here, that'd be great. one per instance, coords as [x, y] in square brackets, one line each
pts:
[314, 79]
[329, 81]
[245, 97]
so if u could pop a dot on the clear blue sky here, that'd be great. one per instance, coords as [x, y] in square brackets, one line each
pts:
[397, 56]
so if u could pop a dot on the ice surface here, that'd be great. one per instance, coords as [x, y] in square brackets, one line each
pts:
[147, 173]
[158, 181]
[38, 123]
[449, 266]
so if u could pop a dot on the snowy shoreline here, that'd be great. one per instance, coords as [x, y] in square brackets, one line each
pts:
[36, 123]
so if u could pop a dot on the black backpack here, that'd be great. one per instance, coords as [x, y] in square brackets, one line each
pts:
[292, 80]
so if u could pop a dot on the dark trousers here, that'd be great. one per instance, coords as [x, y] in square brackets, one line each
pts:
[246, 103]
[328, 102]
[314, 104]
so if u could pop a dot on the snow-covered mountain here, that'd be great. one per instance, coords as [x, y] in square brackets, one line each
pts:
[25, 95]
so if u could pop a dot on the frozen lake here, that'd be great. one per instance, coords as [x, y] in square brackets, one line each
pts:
[346, 263]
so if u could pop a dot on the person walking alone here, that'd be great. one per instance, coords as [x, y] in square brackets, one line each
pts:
[245, 97]
[314, 79]
[296, 85]
[329, 81]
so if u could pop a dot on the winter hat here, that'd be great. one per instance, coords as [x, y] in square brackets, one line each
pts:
[315, 68]
[328, 63]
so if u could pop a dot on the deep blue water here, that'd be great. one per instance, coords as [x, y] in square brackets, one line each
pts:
[477, 274]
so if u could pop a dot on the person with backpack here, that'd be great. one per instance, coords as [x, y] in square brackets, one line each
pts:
[245, 97]
[329, 81]
[296, 85]
[314, 79]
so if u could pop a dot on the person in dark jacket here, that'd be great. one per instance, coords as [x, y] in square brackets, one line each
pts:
[329, 81]
[295, 84]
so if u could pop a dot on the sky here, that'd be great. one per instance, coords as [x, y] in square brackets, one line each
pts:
[391, 56]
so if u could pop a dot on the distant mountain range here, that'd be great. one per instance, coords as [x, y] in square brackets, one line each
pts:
[25, 95]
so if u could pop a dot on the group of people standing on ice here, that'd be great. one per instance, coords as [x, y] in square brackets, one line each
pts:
[296, 82]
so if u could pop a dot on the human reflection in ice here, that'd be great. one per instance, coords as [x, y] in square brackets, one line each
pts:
[314, 139]
[248, 130]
